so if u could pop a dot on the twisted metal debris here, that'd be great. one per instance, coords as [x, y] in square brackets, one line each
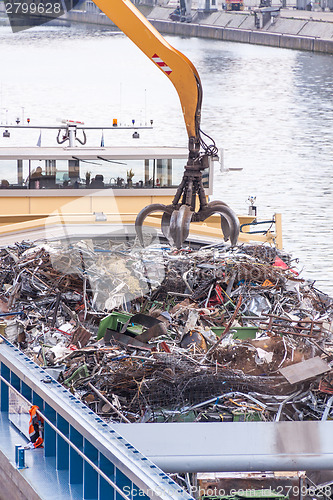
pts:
[156, 334]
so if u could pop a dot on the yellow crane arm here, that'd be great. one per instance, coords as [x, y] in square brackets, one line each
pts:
[177, 67]
[176, 219]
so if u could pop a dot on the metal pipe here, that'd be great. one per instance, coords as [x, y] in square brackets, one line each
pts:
[209, 293]
[289, 398]
[327, 409]
[241, 463]
[234, 446]
[103, 398]
[186, 282]
[225, 396]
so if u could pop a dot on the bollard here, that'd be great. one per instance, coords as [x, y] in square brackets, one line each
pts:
[17, 446]
[21, 458]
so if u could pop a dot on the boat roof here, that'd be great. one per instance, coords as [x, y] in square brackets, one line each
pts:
[91, 153]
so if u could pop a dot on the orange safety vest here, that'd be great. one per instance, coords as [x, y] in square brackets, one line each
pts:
[36, 427]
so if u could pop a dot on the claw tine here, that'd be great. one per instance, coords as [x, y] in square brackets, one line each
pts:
[227, 214]
[165, 225]
[180, 225]
[155, 207]
[234, 234]
[173, 226]
[138, 227]
[217, 202]
[233, 223]
[225, 226]
[186, 217]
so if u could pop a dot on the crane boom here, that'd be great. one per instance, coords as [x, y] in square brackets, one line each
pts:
[178, 68]
[175, 65]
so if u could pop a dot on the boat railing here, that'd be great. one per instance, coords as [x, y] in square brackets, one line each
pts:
[66, 440]
[76, 440]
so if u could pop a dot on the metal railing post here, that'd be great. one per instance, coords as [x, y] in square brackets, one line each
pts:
[90, 476]
[50, 436]
[26, 391]
[124, 483]
[106, 491]
[15, 381]
[37, 400]
[4, 401]
[62, 462]
[75, 461]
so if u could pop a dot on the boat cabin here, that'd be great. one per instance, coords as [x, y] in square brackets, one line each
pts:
[42, 180]
[70, 185]
[93, 168]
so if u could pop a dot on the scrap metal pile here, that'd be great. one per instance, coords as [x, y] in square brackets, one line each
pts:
[153, 335]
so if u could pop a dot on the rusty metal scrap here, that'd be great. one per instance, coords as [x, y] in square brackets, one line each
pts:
[159, 334]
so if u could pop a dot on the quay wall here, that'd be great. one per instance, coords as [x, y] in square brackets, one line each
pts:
[300, 30]
[286, 32]
[281, 40]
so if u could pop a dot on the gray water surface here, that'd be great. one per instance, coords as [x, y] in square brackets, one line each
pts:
[271, 110]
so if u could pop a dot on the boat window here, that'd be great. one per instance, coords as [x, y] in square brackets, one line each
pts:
[8, 173]
[97, 173]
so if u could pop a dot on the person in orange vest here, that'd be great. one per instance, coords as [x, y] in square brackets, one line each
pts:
[36, 428]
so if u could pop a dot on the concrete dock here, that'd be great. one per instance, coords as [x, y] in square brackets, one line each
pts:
[292, 29]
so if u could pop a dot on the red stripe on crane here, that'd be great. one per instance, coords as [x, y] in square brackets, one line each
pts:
[157, 60]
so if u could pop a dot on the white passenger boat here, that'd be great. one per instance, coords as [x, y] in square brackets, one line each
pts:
[102, 186]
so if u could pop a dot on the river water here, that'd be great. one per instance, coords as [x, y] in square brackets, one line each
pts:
[271, 110]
